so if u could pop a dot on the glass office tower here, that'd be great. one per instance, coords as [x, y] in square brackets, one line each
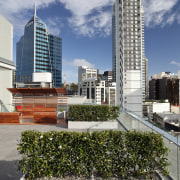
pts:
[38, 51]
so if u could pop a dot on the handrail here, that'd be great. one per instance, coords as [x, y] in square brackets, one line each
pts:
[132, 121]
[155, 128]
[3, 106]
[121, 124]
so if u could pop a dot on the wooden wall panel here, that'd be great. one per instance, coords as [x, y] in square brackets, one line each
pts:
[9, 117]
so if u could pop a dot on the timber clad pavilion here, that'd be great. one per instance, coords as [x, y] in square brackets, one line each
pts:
[35, 105]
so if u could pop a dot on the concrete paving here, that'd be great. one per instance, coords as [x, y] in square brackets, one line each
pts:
[9, 137]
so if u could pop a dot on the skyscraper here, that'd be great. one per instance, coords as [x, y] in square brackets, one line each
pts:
[113, 47]
[128, 27]
[38, 51]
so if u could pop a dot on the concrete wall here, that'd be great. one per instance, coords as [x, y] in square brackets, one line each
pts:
[6, 63]
[161, 107]
[92, 125]
[6, 82]
[175, 109]
[6, 39]
[72, 100]
[133, 91]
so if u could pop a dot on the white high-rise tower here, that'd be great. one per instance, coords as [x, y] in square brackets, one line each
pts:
[129, 61]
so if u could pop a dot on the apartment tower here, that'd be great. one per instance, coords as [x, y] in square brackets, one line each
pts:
[85, 73]
[38, 51]
[128, 56]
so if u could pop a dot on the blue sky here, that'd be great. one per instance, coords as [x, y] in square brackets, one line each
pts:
[85, 29]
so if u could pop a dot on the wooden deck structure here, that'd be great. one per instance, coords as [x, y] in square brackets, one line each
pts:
[35, 105]
[9, 117]
[45, 117]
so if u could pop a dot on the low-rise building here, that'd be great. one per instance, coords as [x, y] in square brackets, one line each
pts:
[107, 77]
[91, 85]
[164, 86]
[111, 94]
[149, 108]
[168, 121]
[94, 90]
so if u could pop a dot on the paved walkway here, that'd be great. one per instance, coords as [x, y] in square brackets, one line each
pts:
[9, 136]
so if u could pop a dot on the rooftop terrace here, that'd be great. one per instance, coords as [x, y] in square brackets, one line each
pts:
[10, 134]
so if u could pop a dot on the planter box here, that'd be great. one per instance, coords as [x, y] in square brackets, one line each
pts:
[113, 124]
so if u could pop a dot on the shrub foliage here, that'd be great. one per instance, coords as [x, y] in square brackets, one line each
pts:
[92, 112]
[105, 154]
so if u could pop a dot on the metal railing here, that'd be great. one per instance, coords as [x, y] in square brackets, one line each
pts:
[130, 121]
[3, 107]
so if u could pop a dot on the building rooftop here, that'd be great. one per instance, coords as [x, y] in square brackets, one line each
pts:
[39, 91]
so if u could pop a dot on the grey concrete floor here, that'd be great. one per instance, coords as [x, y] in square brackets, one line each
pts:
[9, 137]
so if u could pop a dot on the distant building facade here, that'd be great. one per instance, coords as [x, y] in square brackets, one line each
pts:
[6, 64]
[94, 90]
[38, 51]
[111, 94]
[91, 85]
[164, 86]
[85, 73]
[179, 89]
[168, 121]
[128, 55]
[107, 77]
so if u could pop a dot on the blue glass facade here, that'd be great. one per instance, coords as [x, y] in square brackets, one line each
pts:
[38, 51]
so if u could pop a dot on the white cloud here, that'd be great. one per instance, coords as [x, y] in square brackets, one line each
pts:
[17, 11]
[88, 17]
[171, 19]
[16, 6]
[175, 63]
[77, 62]
[83, 8]
[70, 68]
[158, 12]
[178, 18]
[54, 25]
[82, 62]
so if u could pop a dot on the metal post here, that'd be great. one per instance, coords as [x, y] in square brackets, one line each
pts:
[149, 112]
[177, 134]
[177, 158]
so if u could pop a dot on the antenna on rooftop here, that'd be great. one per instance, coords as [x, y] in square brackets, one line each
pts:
[35, 8]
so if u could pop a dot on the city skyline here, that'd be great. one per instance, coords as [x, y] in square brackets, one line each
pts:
[85, 28]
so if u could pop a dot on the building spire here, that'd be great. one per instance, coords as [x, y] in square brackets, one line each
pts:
[34, 8]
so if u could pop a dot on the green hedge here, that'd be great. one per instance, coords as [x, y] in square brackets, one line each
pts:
[92, 112]
[106, 154]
